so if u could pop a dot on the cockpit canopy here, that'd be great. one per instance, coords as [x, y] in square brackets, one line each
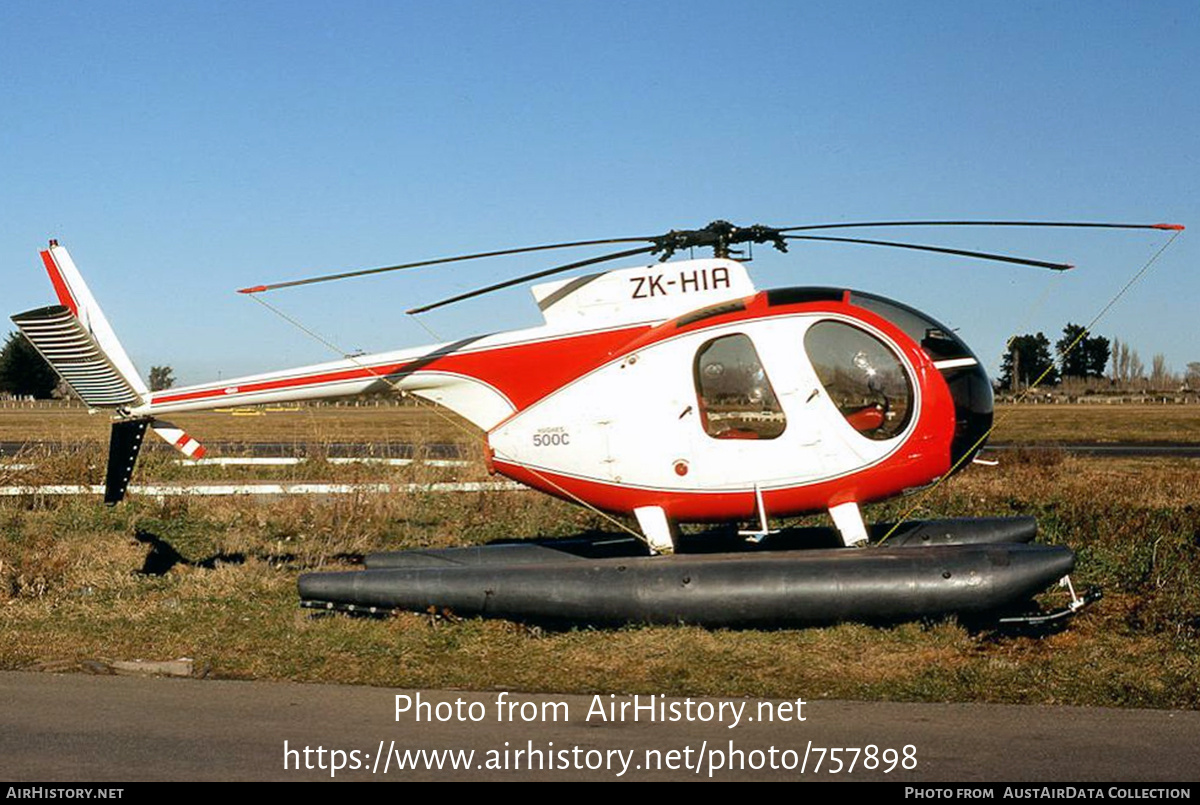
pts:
[964, 374]
[968, 382]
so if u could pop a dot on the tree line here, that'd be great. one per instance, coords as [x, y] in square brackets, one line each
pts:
[1080, 356]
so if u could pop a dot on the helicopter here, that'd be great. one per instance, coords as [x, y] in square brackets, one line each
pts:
[673, 392]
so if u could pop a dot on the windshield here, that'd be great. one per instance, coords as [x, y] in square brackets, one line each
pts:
[939, 342]
[863, 378]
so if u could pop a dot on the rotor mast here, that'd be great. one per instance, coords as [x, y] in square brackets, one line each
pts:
[719, 236]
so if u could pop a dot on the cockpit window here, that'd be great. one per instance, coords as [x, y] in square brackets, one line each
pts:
[863, 378]
[736, 398]
[938, 341]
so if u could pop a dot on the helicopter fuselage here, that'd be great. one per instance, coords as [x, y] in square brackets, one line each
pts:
[790, 402]
[675, 392]
[756, 405]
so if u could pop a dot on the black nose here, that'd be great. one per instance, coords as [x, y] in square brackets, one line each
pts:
[973, 410]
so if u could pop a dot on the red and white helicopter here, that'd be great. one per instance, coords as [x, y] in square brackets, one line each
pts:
[674, 392]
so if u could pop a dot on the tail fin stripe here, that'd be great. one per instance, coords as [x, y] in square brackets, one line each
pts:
[60, 283]
[178, 439]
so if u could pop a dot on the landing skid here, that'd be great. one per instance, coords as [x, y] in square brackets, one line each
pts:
[1054, 618]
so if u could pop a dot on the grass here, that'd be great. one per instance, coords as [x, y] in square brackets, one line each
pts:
[71, 591]
[303, 425]
[1096, 422]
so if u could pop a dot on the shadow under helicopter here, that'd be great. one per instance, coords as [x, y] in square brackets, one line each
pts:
[163, 556]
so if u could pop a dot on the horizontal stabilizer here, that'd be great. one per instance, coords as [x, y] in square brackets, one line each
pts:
[179, 439]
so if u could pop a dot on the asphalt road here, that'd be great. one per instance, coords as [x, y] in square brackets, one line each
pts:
[74, 728]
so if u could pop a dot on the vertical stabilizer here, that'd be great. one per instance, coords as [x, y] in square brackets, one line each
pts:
[76, 339]
[123, 448]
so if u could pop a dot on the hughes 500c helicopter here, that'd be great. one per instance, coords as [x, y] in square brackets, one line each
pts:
[675, 392]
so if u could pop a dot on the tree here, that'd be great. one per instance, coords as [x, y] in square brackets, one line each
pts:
[1137, 369]
[23, 371]
[1120, 361]
[1086, 357]
[161, 377]
[1160, 373]
[1027, 359]
[1192, 378]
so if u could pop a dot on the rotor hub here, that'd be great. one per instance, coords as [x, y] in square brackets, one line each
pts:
[719, 236]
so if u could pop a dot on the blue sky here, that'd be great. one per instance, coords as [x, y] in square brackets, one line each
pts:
[181, 151]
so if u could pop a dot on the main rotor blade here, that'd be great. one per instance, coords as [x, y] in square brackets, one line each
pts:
[439, 261]
[939, 249]
[1081, 224]
[536, 275]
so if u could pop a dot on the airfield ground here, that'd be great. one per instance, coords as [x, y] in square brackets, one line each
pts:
[381, 422]
[222, 590]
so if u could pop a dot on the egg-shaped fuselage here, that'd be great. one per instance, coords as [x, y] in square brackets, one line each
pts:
[807, 398]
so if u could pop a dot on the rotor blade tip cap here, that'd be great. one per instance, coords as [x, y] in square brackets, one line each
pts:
[254, 289]
[1175, 227]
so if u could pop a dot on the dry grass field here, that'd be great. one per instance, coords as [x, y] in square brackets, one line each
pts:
[302, 425]
[1096, 422]
[214, 579]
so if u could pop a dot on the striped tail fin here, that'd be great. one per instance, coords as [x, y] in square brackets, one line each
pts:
[77, 341]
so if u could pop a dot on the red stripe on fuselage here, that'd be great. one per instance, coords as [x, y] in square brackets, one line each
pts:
[61, 289]
[524, 373]
[282, 383]
[905, 469]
